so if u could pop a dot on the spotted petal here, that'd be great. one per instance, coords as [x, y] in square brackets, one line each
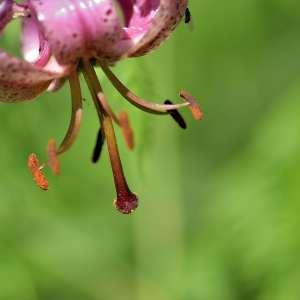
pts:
[76, 29]
[163, 16]
[94, 28]
[20, 80]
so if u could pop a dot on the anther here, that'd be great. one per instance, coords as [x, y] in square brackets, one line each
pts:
[126, 129]
[122, 121]
[36, 171]
[177, 117]
[188, 16]
[194, 107]
[98, 147]
[53, 161]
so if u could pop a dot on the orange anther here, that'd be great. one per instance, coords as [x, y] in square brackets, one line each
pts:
[36, 171]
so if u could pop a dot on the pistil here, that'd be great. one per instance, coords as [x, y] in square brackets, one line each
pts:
[126, 201]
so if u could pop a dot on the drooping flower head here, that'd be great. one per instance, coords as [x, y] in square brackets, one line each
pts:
[62, 39]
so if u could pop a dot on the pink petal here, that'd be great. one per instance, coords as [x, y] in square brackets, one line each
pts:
[79, 28]
[138, 16]
[35, 48]
[159, 26]
[6, 10]
[20, 80]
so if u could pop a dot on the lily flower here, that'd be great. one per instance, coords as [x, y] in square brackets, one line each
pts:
[62, 39]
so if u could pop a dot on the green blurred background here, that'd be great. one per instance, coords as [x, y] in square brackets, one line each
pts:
[219, 203]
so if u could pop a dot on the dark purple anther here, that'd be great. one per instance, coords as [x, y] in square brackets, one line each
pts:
[98, 146]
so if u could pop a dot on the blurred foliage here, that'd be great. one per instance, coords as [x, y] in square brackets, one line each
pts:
[219, 213]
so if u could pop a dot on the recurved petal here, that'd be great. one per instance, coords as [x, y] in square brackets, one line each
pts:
[79, 28]
[167, 16]
[20, 80]
[35, 48]
[6, 10]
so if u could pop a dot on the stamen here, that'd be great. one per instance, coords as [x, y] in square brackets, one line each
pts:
[122, 121]
[53, 161]
[194, 106]
[126, 201]
[36, 171]
[126, 129]
[177, 117]
[134, 99]
[188, 19]
[109, 110]
[98, 146]
[69, 139]
[188, 16]
[76, 114]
